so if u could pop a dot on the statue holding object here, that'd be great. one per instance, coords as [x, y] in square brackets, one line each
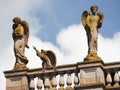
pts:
[48, 57]
[20, 36]
[92, 22]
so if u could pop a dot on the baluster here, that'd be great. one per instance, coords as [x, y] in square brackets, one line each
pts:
[47, 84]
[61, 82]
[39, 84]
[109, 80]
[54, 83]
[76, 79]
[32, 84]
[69, 81]
[116, 79]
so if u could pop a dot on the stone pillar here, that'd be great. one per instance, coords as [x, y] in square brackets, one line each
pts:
[16, 80]
[91, 73]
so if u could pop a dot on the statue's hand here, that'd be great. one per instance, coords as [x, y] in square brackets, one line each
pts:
[34, 48]
[27, 46]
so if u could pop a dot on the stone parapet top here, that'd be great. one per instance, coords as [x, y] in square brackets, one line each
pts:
[65, 68]
[12, 73]
[90, 64]
[113, 66]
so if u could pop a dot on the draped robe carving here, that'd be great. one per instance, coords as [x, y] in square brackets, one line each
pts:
[92, 22]
[20, 36]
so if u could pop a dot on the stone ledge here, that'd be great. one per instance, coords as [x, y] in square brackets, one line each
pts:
[90, 87]
[12, 73]
[113, 88]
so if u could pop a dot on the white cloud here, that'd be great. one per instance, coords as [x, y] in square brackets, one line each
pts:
[109, 48]
[72, 42]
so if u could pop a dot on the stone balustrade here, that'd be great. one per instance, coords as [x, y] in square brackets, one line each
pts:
[65, 76]
[79, 76]
[112, 75]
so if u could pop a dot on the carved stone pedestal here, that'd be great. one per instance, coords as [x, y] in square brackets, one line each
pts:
[92, 57]
[16, 80]
[91, 73]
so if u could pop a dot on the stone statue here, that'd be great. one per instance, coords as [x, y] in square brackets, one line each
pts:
[20, 36]
[91, 22]
[48, 57]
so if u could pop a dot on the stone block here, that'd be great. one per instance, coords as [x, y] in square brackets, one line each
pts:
[93, 75]
[17, 83]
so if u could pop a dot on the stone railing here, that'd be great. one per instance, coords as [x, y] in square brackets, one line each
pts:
[80, 76]
[112, 74]
[62, 76]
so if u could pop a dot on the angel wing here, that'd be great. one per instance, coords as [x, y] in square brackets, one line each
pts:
[84, 16]
[26, 32]
[101, 17]
[51, 56]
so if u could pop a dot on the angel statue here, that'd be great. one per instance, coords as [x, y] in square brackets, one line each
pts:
[48, 57]
[20, 36]
[91, 22]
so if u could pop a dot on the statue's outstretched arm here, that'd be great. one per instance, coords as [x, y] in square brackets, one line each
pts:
[38, 53]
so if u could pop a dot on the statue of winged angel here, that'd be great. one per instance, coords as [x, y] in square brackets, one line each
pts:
[20, 36]
[92, 21]
[48, 57]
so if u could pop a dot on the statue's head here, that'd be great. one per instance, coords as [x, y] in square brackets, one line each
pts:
[16, 20]
[94, 9]
[43, 51]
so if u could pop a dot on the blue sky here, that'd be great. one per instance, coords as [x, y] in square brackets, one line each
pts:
[67, 12]
[56, 25]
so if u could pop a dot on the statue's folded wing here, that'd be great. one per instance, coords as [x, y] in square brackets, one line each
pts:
[52, 57]
[26, 32]
[101, 17]
[84, 17]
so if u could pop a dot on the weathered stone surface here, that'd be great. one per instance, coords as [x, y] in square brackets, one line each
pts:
[17, 83]
[92, 21]
[61, 89]
[91, 76]
[91, 87]
[20, 36]
[47, 56]
[92, 57]
[68, 88]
